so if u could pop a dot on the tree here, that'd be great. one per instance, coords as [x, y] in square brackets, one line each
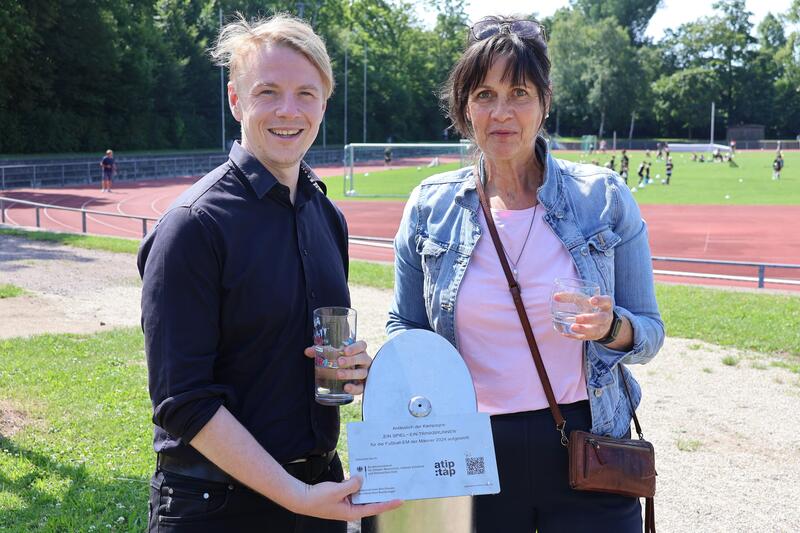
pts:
[595, 73]
[633, 15]
[722, 44]
[683, 99]
[770, 33]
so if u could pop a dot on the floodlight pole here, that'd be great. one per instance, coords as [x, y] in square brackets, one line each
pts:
[712, 123]
[345, 94]
[630, 132]
[365, 93]
[222, 91]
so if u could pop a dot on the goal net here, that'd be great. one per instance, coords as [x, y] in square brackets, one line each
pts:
[588, 143]
[392, 169]
[698, 147]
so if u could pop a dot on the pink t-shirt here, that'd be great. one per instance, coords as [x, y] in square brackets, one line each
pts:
[488, 329]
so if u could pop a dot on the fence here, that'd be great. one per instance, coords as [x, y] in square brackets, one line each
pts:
[713, 267]
[651, 144]
[4, 202]
[760, 269]
[59, 174]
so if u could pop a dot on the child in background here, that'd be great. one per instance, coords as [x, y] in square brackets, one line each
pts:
[669, 170]
[777, 166]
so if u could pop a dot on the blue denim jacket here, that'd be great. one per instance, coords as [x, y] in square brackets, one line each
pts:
[596, 218]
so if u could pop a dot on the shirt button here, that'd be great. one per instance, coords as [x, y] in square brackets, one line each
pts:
[305, 251]
[205, 495]
[598, 393]
[584, 250]
[559, 214]
[170, 491]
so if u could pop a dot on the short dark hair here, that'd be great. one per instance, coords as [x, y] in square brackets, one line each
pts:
[527, 61]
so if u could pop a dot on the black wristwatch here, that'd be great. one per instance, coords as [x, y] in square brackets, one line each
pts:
[611, 336]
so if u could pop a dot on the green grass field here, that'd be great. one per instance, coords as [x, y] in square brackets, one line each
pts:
[82, 458]
[10, 291]
[748, 183]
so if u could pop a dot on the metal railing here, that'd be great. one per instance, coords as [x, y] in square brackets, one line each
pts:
[61, 173]
[84, 213]
[760, 278]
[382, 242]
[651, 144]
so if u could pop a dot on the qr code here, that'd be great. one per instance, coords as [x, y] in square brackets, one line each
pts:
[475, 466]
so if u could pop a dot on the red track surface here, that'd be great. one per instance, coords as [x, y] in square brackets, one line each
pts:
[760, 234]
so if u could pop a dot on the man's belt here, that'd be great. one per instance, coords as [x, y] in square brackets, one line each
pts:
[306, 469]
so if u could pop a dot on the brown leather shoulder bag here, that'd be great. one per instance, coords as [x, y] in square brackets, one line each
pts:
[596, 463]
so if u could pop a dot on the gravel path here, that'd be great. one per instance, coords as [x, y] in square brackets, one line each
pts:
[728, 450]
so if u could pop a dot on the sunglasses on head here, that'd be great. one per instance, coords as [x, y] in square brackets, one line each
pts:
[483, 29]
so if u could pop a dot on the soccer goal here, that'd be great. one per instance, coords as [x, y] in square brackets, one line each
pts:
[698, 147]
[370, 168]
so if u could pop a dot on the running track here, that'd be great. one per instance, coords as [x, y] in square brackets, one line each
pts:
[737, 233]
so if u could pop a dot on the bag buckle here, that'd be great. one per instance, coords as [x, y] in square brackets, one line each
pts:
[560, 427]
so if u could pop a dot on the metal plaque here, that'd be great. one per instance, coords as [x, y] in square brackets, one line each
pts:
[422, 436]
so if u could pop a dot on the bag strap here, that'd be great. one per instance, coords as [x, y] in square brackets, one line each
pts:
[516, 295]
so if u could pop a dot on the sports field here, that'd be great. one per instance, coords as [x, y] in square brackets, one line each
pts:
[710, 211]
[747, 181]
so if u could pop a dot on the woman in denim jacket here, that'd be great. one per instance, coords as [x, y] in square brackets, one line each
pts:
[555, 219]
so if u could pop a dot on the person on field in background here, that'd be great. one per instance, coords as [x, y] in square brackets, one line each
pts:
[624, 166]
[555, 219]
[640, 173]
[777, 166]
[669, 168]
[108, 168]
[231, 275]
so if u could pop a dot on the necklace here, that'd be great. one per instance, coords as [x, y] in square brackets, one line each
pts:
[519, 256]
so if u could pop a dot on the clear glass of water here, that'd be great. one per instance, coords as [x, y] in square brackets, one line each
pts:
[334, 329]
[571, 297]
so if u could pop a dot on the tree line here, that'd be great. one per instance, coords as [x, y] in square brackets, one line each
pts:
[83, 75]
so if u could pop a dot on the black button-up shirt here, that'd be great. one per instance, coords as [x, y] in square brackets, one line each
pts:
[231, 275]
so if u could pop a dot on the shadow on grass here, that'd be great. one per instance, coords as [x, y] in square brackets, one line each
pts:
[15, 251]
[54, 496]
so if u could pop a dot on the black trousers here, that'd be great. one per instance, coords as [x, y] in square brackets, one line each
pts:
[534, 482]
[180, 504]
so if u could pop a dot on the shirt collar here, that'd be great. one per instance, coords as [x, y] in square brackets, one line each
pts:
[262, 180]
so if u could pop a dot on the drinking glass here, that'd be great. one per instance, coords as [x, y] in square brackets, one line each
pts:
[334, 329]
[571, 297]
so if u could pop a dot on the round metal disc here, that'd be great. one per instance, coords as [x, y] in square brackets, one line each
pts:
[417, 363]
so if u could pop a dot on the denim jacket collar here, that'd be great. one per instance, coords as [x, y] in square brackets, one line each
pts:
[549, 193]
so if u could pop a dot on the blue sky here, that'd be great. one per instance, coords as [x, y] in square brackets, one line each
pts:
[671, 14]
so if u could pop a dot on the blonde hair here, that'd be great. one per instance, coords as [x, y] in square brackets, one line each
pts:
[240, 37]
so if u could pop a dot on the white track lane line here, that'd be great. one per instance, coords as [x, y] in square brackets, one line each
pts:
[112, 226]
[47, 215]
[153, 204]
[8, 216]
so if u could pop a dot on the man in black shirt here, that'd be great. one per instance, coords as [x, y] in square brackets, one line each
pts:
[231, 275]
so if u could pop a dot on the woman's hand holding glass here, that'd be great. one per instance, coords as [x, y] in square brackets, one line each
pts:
[579, 311]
